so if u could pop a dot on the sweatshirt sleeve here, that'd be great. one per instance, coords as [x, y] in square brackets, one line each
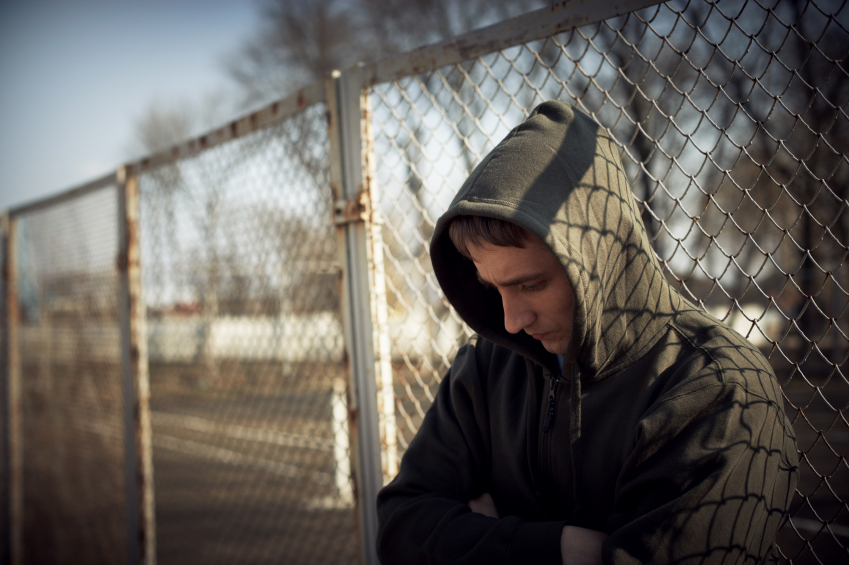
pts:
[712, 473]
[423, 513]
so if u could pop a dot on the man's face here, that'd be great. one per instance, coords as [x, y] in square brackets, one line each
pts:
[534, 290]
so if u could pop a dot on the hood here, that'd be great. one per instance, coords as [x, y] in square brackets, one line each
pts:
[558, 175]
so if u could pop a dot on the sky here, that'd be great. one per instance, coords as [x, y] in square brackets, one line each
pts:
[76, 74]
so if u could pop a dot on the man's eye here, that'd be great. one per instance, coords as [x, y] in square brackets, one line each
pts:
[533, 287]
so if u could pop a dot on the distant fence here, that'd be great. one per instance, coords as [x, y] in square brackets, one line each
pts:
[220, 352]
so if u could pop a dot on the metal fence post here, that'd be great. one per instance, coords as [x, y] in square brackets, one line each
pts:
[363, 298]
[141, 532]
[5, 529]
[377, 293]
[14, 445]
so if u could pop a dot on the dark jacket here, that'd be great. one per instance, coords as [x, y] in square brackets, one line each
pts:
[668, 431]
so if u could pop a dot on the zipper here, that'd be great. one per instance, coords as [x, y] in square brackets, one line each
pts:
[549, 420]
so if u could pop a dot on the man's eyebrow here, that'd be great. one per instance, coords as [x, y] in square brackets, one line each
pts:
[512, 282]
[482, 280]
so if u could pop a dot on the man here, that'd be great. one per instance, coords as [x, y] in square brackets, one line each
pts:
[597, 416]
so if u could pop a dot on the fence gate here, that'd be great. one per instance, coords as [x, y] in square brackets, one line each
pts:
[79, 476]
[249, 394]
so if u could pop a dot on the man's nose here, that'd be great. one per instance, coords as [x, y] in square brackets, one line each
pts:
[517, 316]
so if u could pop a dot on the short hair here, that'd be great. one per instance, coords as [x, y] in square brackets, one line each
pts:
[465, 231]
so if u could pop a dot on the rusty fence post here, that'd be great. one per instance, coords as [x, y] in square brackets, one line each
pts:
[141, 527]
[5, 451]
[363, 292]
[13, 409]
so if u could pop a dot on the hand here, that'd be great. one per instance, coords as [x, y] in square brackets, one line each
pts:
[580, 546]
[484, 505]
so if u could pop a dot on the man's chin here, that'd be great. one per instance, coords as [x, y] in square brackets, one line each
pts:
[554, 347]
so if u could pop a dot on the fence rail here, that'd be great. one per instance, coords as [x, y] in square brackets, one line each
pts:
[250, 320]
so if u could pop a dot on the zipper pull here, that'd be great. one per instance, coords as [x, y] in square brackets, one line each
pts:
[550, 418]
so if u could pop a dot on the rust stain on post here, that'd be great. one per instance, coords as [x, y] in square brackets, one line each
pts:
[356, 209]
[137, 391]
[14, 397]
[335, 191]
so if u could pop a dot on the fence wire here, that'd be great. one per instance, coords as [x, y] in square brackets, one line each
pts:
[245, 346]
[72, 413]
[732, 127]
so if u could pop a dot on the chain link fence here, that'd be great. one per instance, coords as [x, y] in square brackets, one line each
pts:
[732, 127]
[68, 335]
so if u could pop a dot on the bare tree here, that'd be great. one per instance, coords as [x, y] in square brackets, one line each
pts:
[803, 150]
[186, 191]
[300, 42]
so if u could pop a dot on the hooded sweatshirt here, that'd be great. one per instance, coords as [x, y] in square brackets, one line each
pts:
[664, 428]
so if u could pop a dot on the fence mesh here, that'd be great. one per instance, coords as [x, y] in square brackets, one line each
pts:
[72, 413]
[732, 127]
[245, 346]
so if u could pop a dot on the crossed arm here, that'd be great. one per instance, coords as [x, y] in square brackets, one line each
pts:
[578, 546]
